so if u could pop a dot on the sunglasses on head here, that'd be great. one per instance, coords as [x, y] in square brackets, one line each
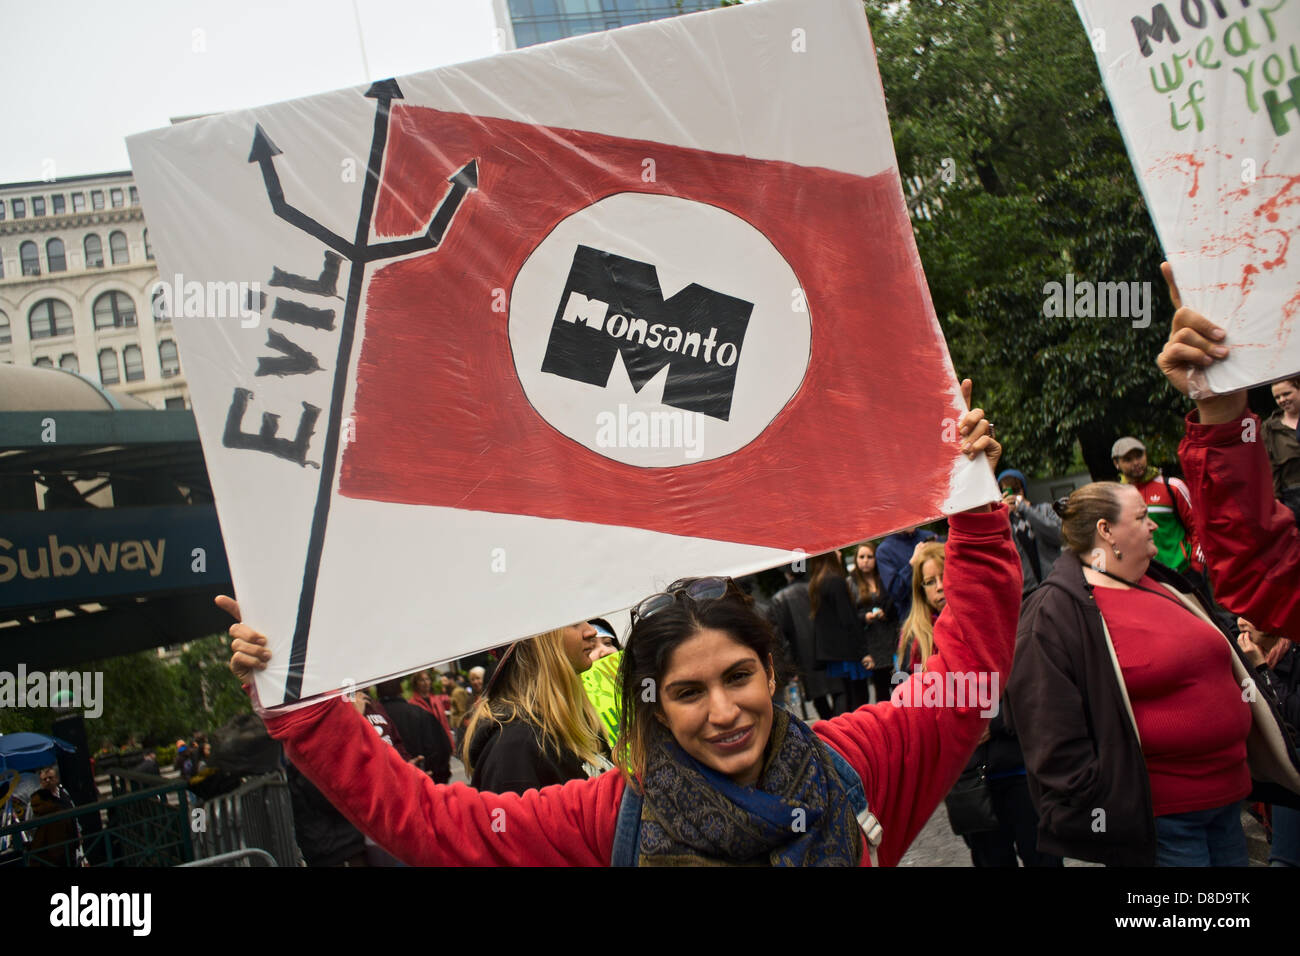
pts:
[698, 589]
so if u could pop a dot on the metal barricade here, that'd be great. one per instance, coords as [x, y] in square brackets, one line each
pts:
[139, 826]
[250, 857]
[256, 815]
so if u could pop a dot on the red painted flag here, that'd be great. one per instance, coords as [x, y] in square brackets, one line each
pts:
[455, 408]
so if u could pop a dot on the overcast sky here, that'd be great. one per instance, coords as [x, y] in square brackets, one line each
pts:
[81, 75]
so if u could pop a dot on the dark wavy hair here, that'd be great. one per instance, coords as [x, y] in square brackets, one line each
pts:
[828, 565]
[650, 646]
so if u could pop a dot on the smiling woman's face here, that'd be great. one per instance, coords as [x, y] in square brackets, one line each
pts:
[716, 701]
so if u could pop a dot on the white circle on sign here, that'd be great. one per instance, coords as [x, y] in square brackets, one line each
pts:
[687, 243]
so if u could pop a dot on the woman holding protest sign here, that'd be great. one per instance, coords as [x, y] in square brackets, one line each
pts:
[1251, 541]
[713, 772]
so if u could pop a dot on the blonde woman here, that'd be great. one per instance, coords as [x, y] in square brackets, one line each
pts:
[534, 726]
[916, 641]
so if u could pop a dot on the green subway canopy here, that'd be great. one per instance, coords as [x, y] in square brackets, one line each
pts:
[109, 541]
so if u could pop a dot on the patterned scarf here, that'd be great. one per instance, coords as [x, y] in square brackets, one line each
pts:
[797, 815]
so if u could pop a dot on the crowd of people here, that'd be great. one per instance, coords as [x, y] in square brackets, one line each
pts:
[1129, 727]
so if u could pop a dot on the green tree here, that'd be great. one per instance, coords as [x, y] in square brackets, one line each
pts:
[147, 697]
[1018, 175]
[210, 693]
[141, 699]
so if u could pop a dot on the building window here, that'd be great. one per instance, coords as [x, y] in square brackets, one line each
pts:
[59, 206]
[148, 249]
[108, 367]
[171, 363]
[38, 205]
[5, 337]
[44, 361]
[176, 402]
[97, 198]
[55, 256]
[49, 318]
[69, 363]
[114, 310]
[115, 196]
[31, 259]
[2, 210]
[158, 306]
[133, 359]
[94, 252]
[135, 196]
[78, 202]
[117, 248]
[20, 209]
[2, 259]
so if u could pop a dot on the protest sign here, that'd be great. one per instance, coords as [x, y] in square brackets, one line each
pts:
[478, 352]
[1207, 94]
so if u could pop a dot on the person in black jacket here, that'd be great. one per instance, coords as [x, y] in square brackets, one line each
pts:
[875, 608]
[323, 835]
[790, 613]
[420, 731]
[59, 843]
[535, 726]
[1276, 663]
[1003, 766]
[837, 631]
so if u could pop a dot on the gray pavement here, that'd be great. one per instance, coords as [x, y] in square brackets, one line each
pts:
[937, 845]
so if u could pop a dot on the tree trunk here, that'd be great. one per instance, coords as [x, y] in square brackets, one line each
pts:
[1096, 455]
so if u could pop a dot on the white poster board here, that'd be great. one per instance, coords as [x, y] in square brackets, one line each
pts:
[1207, 94]
[533, 336]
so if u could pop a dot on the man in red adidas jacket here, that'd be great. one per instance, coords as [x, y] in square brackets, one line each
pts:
[1250, 539]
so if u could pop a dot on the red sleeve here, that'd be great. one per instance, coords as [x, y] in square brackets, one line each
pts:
[911, 749]
[1249, 538]
[427, 824]
[1187, 507]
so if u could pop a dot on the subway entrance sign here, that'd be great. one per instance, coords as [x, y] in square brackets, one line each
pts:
[109, 540]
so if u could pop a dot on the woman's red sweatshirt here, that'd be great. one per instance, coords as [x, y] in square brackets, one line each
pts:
[1250, 539]
[908, 751]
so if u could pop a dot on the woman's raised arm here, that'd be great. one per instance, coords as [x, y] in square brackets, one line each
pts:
[421, 822]
[911, 749]
[1250, 540]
